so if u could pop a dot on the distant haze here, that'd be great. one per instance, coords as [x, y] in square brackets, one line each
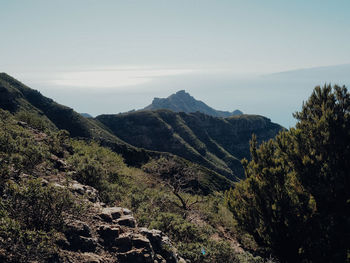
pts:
[115, 55]
[275, 96]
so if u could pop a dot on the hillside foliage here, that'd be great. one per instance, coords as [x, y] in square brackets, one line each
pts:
[33, 212]
[295, 200]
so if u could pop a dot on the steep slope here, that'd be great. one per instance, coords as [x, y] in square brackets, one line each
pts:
[17, 97]
[182, 101]
[216, 143]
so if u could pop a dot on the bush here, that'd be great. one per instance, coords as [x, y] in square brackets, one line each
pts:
[34, 121]
[22, 245]
[96, 166]
[295, 200]
[38, 207]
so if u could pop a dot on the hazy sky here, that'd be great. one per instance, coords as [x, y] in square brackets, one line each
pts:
[123, 47]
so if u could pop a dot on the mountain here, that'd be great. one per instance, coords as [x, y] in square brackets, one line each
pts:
[182, 101]
[216, 143]
[19, 99]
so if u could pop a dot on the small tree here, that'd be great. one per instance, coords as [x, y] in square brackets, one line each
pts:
[179, 176]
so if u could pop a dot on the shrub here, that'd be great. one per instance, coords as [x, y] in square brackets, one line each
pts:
[34, 120]
[38, 207]
[22, 245]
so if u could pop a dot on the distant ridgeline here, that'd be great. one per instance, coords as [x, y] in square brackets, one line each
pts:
[214, 139]
[182, 101]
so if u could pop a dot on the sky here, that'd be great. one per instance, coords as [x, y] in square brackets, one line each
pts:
[109, 56]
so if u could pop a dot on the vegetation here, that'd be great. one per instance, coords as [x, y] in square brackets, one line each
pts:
[215, 143]
[19, 99]
[151, 196]
[295, 200]
[33, 213]
[293, 204]
[30, 213]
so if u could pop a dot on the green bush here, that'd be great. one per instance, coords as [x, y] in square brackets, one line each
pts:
[295, 200]
[33, 120]
[21, 245]
[38, 207]
[96, 166]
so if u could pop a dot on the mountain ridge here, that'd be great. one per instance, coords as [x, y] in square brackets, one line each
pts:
[182, 101]
[17, 98]
[216, 143]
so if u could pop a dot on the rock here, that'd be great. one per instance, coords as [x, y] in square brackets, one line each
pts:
[161, 245]
[127, 220]
[86, 244]
[135, 256]
[159, 259]
[140, 241]
[109, 233]
[88, 191]
[108, 214]
[77, 228]
[79, 236]
[127, 211]
[106, 217]
[123, 243]
[92, 258]
[77, 188]
[154, 236]
[58, 163]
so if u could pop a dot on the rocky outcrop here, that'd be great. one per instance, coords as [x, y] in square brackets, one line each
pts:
[110, 234]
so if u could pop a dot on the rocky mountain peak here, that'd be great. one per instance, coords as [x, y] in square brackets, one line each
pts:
[182, 101]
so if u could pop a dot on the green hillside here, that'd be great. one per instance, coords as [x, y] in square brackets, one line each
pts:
[31, 106]
[64, 200]
[216, 143]
[17, 98]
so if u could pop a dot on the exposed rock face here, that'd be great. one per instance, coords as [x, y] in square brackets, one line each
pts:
[110, 234]
[182, 101]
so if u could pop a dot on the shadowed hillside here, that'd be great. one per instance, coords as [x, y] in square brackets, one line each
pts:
[17, 97]
[29, 104]
[216, 143]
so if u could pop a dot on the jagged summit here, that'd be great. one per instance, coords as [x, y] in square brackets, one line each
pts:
[182, 101]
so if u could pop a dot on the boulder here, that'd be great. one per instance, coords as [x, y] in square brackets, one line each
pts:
[109, 214]
[127, 220]
[79, 236]
[109, 233]
[140, 241]
[124, 242]
[83, 244]
[77, 228]
[154, 236]
[88, 191]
